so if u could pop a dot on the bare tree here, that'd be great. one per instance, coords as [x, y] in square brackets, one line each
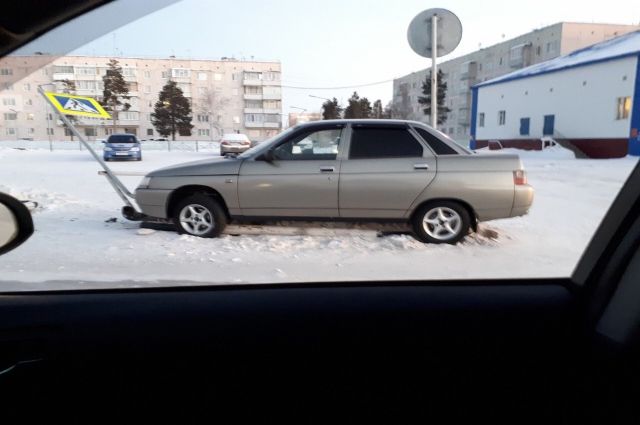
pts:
[212, 105]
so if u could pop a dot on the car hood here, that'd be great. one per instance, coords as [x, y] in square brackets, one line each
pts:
[206, 167]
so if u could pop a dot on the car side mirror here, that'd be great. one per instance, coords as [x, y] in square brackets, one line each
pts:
[16, 224]
[268, 156]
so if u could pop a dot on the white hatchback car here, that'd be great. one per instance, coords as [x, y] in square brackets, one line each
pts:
[234, 143]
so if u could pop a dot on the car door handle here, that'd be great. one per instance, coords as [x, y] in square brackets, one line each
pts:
[327, 169]
[420, 166]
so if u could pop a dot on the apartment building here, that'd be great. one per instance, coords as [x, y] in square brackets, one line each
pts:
[226, 95]
[463, 72]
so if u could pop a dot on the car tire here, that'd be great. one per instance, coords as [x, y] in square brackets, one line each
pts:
[441, 222]
[200, 215]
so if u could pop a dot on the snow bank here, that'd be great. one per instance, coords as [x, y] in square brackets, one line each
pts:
[75, 241]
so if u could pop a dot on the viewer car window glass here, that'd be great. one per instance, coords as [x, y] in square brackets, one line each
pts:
[383, 142]
[438, 146]
[317, 145]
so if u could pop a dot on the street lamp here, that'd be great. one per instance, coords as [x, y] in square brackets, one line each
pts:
[320, 97]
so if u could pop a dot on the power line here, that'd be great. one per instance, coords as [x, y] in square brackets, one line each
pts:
[354, 86]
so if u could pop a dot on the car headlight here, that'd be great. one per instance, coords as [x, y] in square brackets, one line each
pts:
[107, 149]
[135, 149]
[144, 183]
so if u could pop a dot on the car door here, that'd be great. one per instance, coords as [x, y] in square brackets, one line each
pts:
[302, 179]
[386, 169]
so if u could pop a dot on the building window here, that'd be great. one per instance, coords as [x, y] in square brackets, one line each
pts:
[271, 76]
[538, 50]
[271, 104]
[624, 108]
[6, 71]
[7, 86]
[236, 120]
[28, 102]
[252, 90]
[202, 91]
[217, 76]
[252, 76]
[549, 124]
[62, 69]
[50, 131]
[30, 117]
[128, 72]
[203, 132]
[149, 117]
[128, 115]
[500, 61]
[180, 73]
[67, 132]
[26, 87]
[149, 131]
[524, 126]
[10, 131]
[10, 116]
[165, 74]
[49, 117]
[147, 74]
[481, 119]
[502, 117]
[202, 118]
[202, 76]
[90, 132]
[85, 70]
[253, 104]
[147, 89]
[9, 101]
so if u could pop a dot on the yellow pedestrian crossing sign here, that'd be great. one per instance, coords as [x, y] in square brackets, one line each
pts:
[69, 104]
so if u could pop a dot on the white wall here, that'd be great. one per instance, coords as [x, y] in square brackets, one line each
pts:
[581, 111]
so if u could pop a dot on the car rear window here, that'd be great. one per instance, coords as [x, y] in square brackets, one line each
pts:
[383, 142]
[121, 139]
[438, 146]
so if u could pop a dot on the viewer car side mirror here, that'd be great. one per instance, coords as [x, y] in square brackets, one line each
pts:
[16, 225]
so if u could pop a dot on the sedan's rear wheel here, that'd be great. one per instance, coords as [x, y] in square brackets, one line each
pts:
[441, 222]
[200, 215]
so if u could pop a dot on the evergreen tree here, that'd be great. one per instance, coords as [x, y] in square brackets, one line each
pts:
[69, 87]
[172, 112]
[116, 91]
[378, 111]
[442, 95]
[366, 111]
[331, 109]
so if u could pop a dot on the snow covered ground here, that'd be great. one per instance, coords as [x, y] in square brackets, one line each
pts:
[74, 241]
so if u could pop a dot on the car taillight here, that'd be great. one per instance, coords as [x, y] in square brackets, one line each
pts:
[519, 177]
[224, 142]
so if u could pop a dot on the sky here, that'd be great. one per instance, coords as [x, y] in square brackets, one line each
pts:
[331, 43]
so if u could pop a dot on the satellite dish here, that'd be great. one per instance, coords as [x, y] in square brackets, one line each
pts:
[449, 32]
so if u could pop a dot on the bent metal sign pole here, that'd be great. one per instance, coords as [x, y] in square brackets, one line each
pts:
[66, 104]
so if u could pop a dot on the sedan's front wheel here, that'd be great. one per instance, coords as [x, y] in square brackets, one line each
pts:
[441, 222]
[200, 215]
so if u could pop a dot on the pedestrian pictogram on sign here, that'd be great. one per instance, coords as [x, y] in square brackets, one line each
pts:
[69, 104]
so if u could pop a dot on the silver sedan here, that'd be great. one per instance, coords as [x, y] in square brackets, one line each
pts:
[361, 170]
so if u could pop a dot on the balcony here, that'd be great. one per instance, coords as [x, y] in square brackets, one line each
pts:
[271, 82]
[253, 124]
[271, 125]
[253, 110]
[469, 71]
[252, 96]
[272, 96]
[252, 82]
[464, 118]
[271, 111]
[63, 76]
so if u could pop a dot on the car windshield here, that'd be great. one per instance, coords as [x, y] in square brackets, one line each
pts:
[342, 164]
[122, 138]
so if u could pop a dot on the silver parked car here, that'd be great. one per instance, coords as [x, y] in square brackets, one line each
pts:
[365, 170]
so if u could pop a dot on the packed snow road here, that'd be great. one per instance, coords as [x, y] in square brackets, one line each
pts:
[77, 239]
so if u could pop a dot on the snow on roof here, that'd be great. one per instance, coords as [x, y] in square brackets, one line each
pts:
[625, 45]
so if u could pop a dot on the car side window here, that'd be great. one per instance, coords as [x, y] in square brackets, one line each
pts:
[383, 142]
[438, 146]
[315, 145]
